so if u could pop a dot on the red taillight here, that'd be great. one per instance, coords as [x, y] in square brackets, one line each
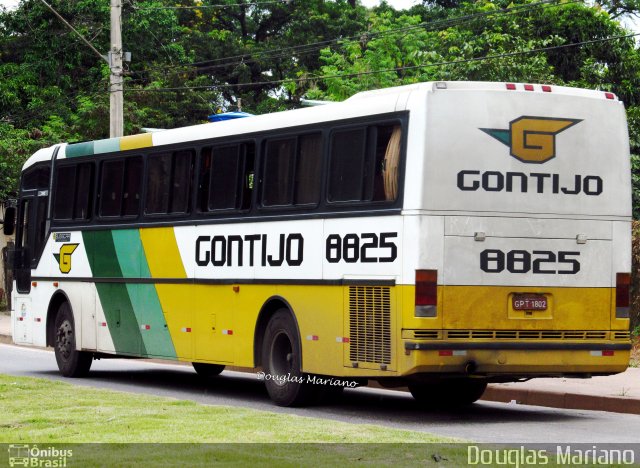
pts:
[623, 294]
[426, 287]
[528, 87]
[546, 88]
[511, 86]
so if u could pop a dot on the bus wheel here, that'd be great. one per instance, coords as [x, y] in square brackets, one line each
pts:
[207, 370]
[281, 362]
[448, 393]
[71, 362]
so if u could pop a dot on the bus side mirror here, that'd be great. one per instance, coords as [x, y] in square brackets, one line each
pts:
[9, 220]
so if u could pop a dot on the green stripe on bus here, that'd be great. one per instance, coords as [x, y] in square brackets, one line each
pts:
[79, 149]
[106, 146]
[144, 297]
[114, 297]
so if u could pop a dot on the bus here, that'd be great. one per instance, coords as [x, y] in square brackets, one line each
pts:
[438, 236]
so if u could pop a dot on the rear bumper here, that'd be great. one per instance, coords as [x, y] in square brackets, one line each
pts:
[517, 359]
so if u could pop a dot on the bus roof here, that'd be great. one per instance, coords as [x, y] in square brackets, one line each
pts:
[379, 101]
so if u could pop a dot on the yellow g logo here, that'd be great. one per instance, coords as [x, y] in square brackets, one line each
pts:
[64, 257]
[532, 139]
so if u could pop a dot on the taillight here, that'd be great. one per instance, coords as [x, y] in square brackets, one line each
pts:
[623, 294]
[426, 293]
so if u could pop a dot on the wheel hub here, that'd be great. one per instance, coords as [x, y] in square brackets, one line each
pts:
[64, 339]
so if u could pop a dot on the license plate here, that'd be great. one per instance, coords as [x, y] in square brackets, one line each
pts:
[529, 302]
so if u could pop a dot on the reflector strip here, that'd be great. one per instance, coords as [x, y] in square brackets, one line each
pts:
[606, 352]
[511, 86]
[186, 330]
[103, 324]
[546, 88]
[227, 332]
[145, 327]
[528, 87]
[312, 338]
[342, 339]
[609, 95]
[452, 352]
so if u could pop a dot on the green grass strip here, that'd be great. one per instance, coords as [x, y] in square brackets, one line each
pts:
[49, 412]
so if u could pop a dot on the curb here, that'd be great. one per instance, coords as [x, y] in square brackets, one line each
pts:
[575, 401]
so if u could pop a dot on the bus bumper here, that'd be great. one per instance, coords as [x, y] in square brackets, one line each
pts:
[516, 359]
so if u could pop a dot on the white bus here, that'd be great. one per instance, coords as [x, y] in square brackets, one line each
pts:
[439, 235]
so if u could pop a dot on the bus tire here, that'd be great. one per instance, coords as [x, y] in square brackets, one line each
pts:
[71, 362]
[448, 393]
[207, 370]
[281, 363]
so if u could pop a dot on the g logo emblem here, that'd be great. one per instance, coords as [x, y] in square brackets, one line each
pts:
[64, 257]
[532, 139]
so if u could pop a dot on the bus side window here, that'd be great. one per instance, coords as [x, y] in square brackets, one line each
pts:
[292, 171]
[226, 177]
[132, 186]
[364, 164]
[347, 165]
[308, 170]
[84, 191]
[225, 171]
[387, 159]
[111, 188]
[73, 192]
[120, 187]
[278, 172]
[169, 182]
[64, 192]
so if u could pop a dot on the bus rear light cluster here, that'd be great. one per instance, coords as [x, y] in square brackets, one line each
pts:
[623, 294]
[426, 293]
[528, 87]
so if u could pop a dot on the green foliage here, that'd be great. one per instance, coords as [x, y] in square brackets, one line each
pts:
[189, 63]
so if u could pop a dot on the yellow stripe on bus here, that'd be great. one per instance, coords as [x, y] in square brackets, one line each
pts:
[163, 257]
[143, 140]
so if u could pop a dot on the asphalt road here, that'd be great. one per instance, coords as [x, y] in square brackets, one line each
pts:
[483, 422]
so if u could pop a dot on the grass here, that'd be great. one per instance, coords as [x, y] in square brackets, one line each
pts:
[49, 412]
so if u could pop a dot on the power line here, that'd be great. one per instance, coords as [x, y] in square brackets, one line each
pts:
[386, 70]
[312, 46]
[89, 44]
[202, 7]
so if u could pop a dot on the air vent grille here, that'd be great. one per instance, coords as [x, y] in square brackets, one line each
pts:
[370, 324]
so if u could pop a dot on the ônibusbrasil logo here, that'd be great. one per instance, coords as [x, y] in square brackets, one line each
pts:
[532, 139]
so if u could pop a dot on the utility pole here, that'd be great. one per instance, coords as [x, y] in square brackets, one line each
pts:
[116, 79]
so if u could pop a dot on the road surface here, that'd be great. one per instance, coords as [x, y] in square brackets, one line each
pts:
[483, 422]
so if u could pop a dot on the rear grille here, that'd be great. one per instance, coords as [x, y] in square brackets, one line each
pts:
[370, 324]
[526, 334]
[426, 334]
[622, 336]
